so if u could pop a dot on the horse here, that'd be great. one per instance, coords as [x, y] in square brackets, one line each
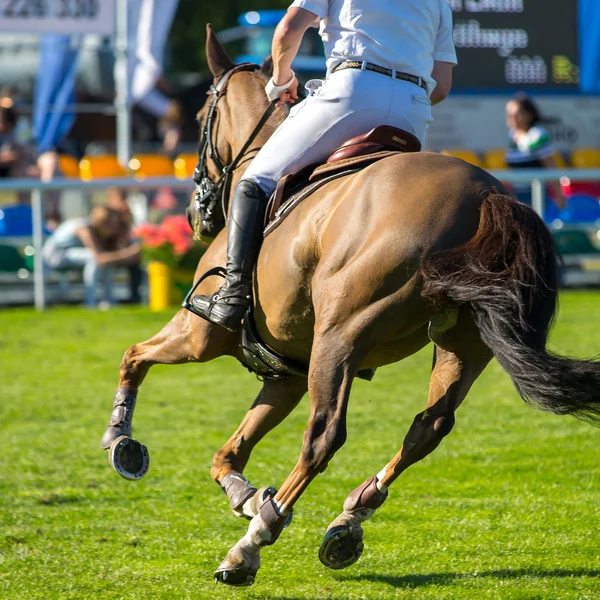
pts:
[416, 248]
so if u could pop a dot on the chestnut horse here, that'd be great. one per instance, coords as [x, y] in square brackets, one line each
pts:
[415, 248]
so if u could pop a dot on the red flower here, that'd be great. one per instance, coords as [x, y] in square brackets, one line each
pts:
[143, 231]
[177, 223]
[156, 239]
[166, 242]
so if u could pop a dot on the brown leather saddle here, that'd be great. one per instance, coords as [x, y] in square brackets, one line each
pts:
[352, 156]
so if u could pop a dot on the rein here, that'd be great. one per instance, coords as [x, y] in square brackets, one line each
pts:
[209, 192]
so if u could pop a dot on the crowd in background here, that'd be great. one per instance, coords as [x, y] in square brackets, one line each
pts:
[101, 241]
[96, 243]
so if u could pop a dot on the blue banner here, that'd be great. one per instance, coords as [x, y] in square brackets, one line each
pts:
[54, 92]
[589, 44]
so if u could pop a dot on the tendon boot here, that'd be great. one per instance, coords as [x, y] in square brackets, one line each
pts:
[228, 306]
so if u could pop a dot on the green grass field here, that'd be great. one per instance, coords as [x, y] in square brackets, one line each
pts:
[508, 507]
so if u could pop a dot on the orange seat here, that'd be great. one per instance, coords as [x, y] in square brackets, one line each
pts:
[184, 165]
[495, 159]
[464, 154]
[560, 161]
[151, 165]
[585, 158]
[69, 166]
[100, 167]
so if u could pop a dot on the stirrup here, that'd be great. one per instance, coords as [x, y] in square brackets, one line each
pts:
[220, 271]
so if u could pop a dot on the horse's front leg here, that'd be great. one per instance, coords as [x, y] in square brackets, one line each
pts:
[274, 403]
[333, 365]
[186, 338]
[460, 357]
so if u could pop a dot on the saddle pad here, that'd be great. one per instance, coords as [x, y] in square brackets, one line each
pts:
[355, 162]
[290, 203]
[317, 179]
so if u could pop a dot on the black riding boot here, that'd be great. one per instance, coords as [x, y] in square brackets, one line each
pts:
[246, 222]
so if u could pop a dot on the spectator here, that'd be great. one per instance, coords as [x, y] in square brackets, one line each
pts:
[529, 146]
[10, 154]
[117, 199]
[96, 245]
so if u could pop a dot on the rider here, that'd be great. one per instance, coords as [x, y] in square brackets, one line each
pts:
[387, 64]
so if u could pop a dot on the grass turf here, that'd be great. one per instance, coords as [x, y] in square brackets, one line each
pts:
[508, 506]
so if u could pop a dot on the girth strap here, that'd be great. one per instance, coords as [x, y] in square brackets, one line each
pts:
[267, 364]
[262, 361]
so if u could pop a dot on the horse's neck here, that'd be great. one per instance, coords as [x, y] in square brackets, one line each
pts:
[243, 126]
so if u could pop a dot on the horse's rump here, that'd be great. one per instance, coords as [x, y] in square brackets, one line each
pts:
[507, 273]
[383, 220]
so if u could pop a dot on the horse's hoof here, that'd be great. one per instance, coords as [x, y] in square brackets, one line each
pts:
[129, 458]
[342, 546]
[259, 498]
[237, 577]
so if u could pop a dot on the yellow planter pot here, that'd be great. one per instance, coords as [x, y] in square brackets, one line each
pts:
[160, 283]
[168, 285]
[181, 282]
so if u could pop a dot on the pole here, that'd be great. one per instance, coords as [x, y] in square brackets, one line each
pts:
[122, 101]
[37, 216]
[537, 196]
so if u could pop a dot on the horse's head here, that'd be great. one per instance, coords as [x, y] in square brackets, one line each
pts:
[227, 123]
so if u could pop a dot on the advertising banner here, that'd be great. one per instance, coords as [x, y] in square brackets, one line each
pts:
[479, 123]
[57, 16]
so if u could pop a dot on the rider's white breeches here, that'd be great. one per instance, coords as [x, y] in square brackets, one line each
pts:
[350, 103]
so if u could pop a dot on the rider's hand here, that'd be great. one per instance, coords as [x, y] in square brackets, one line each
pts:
[290, 95]
[283, 91]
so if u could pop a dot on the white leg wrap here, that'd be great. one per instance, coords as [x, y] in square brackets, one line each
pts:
[359, 516]
[258, 535]
[382, 488]
[281, 508]
[247, 509]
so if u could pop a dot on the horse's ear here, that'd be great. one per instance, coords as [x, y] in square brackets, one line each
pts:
[218, 60]
[267, 67]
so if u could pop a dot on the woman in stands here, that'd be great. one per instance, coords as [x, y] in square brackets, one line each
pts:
[95, 245]
[529, 145]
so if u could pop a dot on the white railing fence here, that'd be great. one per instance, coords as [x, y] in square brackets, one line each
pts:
[37, 190]
[536, 177]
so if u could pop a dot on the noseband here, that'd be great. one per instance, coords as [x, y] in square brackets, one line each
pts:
[209, 192]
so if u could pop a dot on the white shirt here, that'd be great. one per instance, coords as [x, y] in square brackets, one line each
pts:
[405, 35]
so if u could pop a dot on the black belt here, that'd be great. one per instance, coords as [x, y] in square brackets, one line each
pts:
[367, 66]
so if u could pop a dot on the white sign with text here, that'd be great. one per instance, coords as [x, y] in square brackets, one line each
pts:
[479, 122]
[57, 16]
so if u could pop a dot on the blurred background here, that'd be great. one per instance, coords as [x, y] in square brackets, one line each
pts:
[107, 91]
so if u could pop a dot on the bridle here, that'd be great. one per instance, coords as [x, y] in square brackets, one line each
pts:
[209, 192]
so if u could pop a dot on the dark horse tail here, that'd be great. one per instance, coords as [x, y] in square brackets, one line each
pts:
[508, 274]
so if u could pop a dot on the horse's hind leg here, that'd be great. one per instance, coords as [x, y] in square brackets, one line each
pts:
[460, 357]
[274, 403]
[334, 362]
[184, 339]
